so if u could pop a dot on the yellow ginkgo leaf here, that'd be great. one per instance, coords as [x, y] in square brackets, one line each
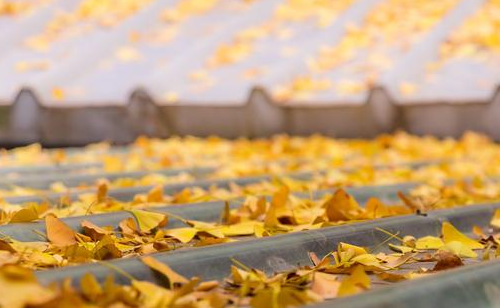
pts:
[400, 248]
[153, 295]
[20, 288]
[90, 287]
[341, 206]
[102, 190]
[155, 194]
[355, 283]
[25, 215]
[429, 242]
[376, 209]
[165, 270]
[451, 234]
[260, 231]
[242, 228]
[210, 228]
[278, 208]
[149, 220]
[357, 250]
[184, 235]
[366, 260]
[112, 164]
[478, 231]
[459, 249]
[495, 220]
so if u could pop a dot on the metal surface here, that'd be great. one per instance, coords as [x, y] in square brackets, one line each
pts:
[74, 180]
[60, 169]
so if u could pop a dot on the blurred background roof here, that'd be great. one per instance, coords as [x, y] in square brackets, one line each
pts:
[96, 52]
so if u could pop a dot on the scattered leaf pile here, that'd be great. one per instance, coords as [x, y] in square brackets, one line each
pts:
[146, 233]
[150, 154]
[345, 271]
[256, 217]
[435, 194]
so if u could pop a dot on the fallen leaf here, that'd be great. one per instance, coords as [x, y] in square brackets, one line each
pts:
[128, 226]
[446, 260]
[355, 283]
[94, 232]
[20, 289]
[450, 234]
[429, 242]
[173, 277]
[325, 285]
[58, 232]
[91, 289]
[392, 277]
[184, 235]
[341, 206]
[148, 221]
[478, 231]
[459, 249]
[400, 248]
[106, 249]
[156, 194]
[102, 190]
[495, 220]
[25, 215]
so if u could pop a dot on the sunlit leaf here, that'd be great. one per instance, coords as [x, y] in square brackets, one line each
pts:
[354, 283]
[148, 221]
[429, 242]
[450, 234]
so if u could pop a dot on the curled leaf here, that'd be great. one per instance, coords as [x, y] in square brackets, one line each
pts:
[58, 232]
[94, 232]
[173, 277]
[446, 260]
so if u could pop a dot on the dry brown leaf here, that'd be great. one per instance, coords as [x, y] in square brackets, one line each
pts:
[446, 260]
[96, 233]
[325, 285]
[58, 232]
